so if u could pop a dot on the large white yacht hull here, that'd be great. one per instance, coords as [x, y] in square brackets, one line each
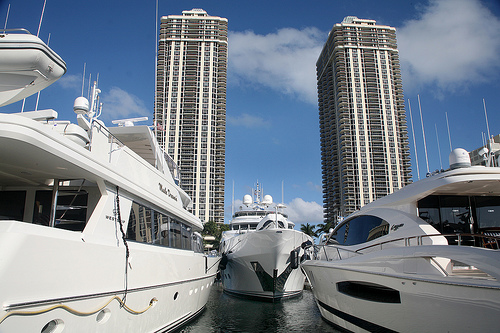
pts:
[259, 264]
[69, 280]
[368, 295]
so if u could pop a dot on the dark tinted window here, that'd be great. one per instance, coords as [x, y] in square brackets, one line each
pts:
[455, 214]
[428, 210]
[361, 229]
[12, 205]
[264, 226]
[339, 235]
[488, 212]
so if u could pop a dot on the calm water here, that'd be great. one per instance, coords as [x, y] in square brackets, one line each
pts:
[226, 313]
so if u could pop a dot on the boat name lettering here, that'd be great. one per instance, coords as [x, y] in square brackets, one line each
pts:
[396, 226]
[167, 192]
[112, 218]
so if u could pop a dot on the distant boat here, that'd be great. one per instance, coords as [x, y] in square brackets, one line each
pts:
[95, 234]
[423, 259]
[262, 252]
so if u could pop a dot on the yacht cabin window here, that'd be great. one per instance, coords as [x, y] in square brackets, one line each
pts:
[361, 229]
[460, 214]
[271, 223]
[12, 205]
[146, 225]
[34, 205]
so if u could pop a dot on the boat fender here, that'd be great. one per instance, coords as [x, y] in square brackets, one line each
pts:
[223, 262]
[294, 259]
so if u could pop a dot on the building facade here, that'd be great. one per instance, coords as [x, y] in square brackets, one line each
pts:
[190, 107]
[364, 142]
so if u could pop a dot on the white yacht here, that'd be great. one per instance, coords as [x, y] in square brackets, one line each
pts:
[423, 259]
[95, 232]
[261, 252]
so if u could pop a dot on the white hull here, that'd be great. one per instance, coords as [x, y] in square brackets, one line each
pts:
[86, 295]
[259, 264]
[382, 291]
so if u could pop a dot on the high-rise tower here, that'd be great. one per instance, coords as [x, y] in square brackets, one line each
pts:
[364, 142]
[190, 108]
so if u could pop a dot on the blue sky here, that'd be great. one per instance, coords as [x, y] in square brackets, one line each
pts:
[449, 51]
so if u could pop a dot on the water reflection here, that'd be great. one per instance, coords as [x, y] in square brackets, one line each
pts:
[226, 313]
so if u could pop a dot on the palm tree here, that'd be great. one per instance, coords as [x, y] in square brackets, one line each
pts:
[324, 227]
[308, 229]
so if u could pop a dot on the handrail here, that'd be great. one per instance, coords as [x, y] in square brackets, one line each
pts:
[492, 240]
[16, 29]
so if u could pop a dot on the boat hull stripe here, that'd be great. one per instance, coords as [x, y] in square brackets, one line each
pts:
[364, 324]
[10, 307]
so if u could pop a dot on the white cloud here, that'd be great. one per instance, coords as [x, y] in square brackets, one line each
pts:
[118, 103]
[451, 44]
[71, 81]
[315, 187]
[300, 211]
[284, 61]
[248, 121]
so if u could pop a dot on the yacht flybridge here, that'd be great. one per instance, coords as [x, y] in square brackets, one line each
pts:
[423, 259]
[262, 252]
[95, 232]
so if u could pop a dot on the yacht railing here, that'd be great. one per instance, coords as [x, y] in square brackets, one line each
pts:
[115, 144]
[16, 30]
[112, 140]
[486, 240]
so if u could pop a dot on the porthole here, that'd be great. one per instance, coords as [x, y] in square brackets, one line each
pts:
[195, 290]
[53, 326]
[176, 295]
[103, 316]
[202, 287]
[190, 292]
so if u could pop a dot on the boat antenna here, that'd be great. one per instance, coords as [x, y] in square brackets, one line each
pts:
[423, 133]
[38, 94]
[41, 18]
[490, 155]
[232, 202]
[90, 80]
[448, 126]
[6, 17]
[486, 117]
[439, 149]
[413, 135]
[282, 192]
[155, 118]
[83, 77]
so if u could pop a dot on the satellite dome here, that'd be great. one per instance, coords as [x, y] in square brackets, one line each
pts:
[81, 105]
[459, 158]
[267, 199]
[247, 200]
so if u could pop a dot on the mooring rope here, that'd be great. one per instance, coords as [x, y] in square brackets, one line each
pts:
[127, 252]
